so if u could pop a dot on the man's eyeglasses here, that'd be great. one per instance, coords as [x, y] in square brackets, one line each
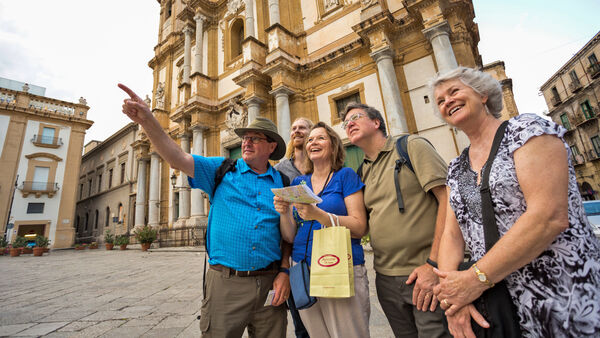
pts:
[253, 139]
[352, 118]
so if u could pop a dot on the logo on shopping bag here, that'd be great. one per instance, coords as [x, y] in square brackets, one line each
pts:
[328, 260]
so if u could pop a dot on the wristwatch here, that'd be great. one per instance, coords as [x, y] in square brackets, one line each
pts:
[285, 270]
[482, 276]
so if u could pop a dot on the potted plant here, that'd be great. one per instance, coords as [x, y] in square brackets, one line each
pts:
[17, 246]
[3, 245]
[80, 246]
[93, 245]
[41, 243]
[146, 235]
[122, 241]
[109, 240]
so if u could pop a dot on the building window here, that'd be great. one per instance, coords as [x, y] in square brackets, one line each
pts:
[338, 102]
[48, 135]
[168, 8]
[587, 109]
[107, 216]
[35, 208]
[96, 220]
[122, 173]
[573, 76]
[40, 178]
[555, 93]
[592, 59]
[236, 38]
[596, 144]
[565, 121]
[87, 219]
[99, 182]
[81, 191]
[90, 186]
[341, 103]
[110, 176]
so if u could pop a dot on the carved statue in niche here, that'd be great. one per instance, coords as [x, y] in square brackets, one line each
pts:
[367, 3]
[159, 96]
[330, 4]
[236, 116]
[233, 6]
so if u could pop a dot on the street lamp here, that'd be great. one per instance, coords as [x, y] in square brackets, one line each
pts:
[173, 180]
[12, 199]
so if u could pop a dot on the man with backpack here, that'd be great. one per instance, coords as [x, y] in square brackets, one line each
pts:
[405, 197]
[243, 233]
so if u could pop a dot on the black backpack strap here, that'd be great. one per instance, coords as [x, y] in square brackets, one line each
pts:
[284, 178]
[359, 171]
[226, 166]
[490, 228]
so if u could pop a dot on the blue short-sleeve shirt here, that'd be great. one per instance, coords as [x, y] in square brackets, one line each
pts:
[343, 183]
[243, 225]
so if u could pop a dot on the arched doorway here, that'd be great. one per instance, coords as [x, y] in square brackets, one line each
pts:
[587, 193]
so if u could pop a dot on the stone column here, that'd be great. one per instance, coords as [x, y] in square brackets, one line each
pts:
[199, 43]
[439, 38]
[197, 149]
[140, 197]
[283, 111]
[154, 198]
[253, 104]
[390, 90]
[249, 18]
[274, 11]
[187, 53]
[184, 190]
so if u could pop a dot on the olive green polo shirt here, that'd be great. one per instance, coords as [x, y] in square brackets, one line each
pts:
[402, 241]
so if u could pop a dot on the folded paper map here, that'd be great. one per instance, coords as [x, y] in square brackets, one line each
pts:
[300, 193]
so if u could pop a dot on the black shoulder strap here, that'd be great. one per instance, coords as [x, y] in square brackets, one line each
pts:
[226, 166]
[359, 171]
[284, 178]
[490, 228]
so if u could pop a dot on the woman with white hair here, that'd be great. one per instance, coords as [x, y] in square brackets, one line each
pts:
[546, 253]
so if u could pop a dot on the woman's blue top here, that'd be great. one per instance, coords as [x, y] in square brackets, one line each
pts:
[342, 183]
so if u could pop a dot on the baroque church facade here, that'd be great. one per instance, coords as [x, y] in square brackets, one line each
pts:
[219, 64]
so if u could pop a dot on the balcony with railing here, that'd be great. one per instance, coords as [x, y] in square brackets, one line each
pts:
[41, 105]
[38, 188]
[584, 119]
[592, 155]
[594, 70]
[578, 160]
[555, 100]
[47, 141]
[575, 86]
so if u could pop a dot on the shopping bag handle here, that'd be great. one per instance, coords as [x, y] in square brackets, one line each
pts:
[331, 219]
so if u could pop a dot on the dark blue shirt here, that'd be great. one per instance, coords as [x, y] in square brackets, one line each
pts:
[342, 183]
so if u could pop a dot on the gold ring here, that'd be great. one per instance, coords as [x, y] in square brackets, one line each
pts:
[445, 302]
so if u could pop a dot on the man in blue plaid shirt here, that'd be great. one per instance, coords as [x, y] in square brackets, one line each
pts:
[244, 235]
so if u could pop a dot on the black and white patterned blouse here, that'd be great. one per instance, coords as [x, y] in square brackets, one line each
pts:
[558, 293]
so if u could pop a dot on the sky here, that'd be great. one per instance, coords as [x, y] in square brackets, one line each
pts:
[77, 48]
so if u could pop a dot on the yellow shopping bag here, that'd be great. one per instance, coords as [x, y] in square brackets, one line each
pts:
[331, 269]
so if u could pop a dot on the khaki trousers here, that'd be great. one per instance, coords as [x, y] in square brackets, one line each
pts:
[233, 303]
[341, 317]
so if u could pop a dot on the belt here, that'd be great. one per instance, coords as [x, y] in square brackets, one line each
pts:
[270, 269]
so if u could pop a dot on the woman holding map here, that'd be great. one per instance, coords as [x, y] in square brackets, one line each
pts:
[341, 192]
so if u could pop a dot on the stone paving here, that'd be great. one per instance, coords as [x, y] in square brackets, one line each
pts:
[99, 293]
